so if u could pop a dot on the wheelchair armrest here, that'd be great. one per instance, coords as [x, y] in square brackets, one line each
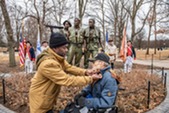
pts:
[101, 110]
[104, 109]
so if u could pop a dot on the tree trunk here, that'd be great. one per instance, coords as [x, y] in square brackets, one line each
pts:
[80, 5]
[11, 49]
[155, 35]
[133, 29]
[103, 24]
[148, 43]
[11, 42]
[115, 30]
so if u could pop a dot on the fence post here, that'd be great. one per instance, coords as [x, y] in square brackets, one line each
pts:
[3, 88]
[165, 80]
[162, 74]
[148, 97]
[152, 64]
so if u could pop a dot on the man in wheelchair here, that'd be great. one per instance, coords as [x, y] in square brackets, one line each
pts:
[100, 96]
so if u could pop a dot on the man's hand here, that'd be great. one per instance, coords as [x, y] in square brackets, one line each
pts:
[96, 76]
[89, 72]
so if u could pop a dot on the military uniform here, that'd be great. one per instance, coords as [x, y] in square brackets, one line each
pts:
[92, 37]
[76, 42]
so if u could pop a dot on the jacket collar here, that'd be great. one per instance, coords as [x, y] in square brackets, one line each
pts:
[105, 69]
[56, 56]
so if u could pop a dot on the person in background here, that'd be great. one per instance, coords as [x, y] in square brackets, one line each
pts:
[111, 50]
[29, 58]
[92, 36]
[53, 71]
[76, 40]
[66, 31]
[130, 55]
[44, 45]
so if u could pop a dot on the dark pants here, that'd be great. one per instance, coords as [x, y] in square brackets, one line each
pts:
[50, 111]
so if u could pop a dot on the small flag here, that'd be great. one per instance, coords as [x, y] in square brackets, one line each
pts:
[107, 38]
[38, 46]
[21, 50]
[123, 49]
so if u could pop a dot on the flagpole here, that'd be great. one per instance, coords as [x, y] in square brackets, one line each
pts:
[38, 44]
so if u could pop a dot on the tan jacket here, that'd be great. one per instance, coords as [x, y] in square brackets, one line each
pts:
[51, 74]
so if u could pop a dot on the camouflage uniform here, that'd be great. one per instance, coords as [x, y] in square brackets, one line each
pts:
[76, 42]
[92, 37]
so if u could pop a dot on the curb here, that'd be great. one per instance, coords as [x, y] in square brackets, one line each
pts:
[3, 109]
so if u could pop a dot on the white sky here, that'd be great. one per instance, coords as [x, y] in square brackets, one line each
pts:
[144, 8]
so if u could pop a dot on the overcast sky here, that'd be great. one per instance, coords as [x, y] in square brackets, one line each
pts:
[144, 9]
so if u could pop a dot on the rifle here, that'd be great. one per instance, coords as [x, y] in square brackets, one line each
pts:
[54, 27]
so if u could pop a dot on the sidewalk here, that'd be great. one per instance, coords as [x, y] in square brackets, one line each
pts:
[5, 110]
[156, 63]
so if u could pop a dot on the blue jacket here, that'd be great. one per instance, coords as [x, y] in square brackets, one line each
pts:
[103, 93]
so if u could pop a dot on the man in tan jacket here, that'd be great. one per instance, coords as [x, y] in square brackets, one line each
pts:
[51, 74]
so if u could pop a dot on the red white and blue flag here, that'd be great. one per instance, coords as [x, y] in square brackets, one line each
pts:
[21, 50]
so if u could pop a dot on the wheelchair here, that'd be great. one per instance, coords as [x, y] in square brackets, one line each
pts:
[73, 108]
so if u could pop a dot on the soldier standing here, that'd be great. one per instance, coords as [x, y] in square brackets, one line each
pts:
[67, 25]
[92, 37]
[76, 42]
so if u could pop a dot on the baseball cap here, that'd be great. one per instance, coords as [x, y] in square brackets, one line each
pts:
[102, 57]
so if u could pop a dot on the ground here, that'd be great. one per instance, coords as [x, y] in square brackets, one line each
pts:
[133, 98]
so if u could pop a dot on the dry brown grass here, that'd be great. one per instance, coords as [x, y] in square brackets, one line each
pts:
[2, 49]
[161, 55]
[127, 101]
[17, 88]
[133, 99]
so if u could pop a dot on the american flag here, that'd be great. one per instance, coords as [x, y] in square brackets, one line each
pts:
[21, 50]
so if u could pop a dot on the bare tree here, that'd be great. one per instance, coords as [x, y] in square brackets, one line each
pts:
[16, 13]
[82, 8]
[132, 10]
[139, 38]
[11, 41]
[59, 9]
[155, 27]
[118, 18]
[99, 14]
[150, 24]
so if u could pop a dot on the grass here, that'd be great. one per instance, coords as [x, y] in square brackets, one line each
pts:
[127, 101]
[160, 55]
[133, 99]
